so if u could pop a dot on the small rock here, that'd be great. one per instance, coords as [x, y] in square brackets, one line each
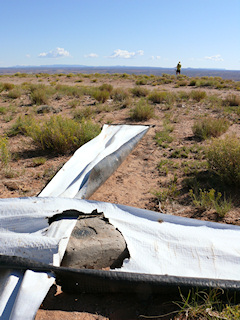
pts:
[11, 185]
[45, 109]
[57, 110]
[180, 105]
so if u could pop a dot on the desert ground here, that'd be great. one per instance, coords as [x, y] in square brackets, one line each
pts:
[158, 175]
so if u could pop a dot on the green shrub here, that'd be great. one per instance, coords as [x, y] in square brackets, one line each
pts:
[214, 101]
[106, 87]
[14, 93]
[5, 154]
[70, 91]
[120, 95]
[232, 100]
[101, 95]
[86, 112]
[209, 127]
[163, 137]
[74, 103]
[39, 96]
[157, 96]
[141, 82]
[142, 111]
[181, 152]
[8, 86]
[209, 82]
[183, 95]
[21, 75]
[193, 82]
[62, 135]
[3, 110]
[20, 125]
[39, 161]
[211, 200]
[223, 158]
[165, 194]
[182, 83]
[198, 95]
[139, 91]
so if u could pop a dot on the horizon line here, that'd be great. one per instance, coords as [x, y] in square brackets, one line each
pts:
[107, 66]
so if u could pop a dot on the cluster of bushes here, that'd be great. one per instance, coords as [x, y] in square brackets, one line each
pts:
[208, 127]
[142, 111]
[61, 135]
[213, 174]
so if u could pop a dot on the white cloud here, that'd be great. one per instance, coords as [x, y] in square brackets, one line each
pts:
[157, 57]
[124, 54]
[217, 57]
[91, 55]
[56, 53]
[140, 52]
[28, 55]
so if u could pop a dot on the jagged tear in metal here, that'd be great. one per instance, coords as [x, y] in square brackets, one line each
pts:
[177, 251]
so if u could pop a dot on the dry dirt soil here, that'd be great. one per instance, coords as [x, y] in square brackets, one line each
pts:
[135, 183]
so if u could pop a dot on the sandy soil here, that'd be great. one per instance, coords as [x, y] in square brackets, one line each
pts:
[133, 184]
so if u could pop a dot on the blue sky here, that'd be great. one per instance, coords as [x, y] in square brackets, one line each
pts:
[159, 33]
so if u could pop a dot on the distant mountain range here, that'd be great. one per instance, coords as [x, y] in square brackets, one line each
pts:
[190, 72]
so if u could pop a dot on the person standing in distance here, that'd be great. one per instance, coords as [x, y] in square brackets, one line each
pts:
[178, 70]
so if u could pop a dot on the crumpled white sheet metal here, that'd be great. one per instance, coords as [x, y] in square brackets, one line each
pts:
[73, 179]
[169, 244]
[25, 231]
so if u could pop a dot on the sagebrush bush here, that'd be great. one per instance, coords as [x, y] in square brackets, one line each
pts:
[70, 91]
[209, 127]
[120, 95]
[20, 125]
[198, 95]
[141, 82]
[142, 111]
[223, 158]
[3, 110]
[5, 154]
[162, 97]
[15, 93]
[101, 95]
[8, 86]
[182, 83]
[85, 112]
[232, 100]
[183, 95]
[106, 87]
[157, 96]
[39, 96]
[139, 91]
[61, 135]
[193, 82]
